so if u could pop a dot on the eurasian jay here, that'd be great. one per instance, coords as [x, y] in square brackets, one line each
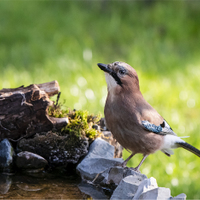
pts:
[135, 124]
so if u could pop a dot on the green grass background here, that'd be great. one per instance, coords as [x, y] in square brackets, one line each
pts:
[41, 41]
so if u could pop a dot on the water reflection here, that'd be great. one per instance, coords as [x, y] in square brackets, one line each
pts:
[94, 192]
[5, 183]
[48, 187]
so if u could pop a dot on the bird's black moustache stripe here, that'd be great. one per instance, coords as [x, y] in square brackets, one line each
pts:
[117, 79]
[105, 68]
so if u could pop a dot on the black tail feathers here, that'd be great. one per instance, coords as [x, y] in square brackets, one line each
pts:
[190, 148]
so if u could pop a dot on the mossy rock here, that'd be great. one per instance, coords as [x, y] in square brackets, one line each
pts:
[81, 123]
[57, 150]
[68, 145]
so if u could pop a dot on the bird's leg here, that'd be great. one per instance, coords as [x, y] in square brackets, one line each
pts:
[125, 162]
[137, 168]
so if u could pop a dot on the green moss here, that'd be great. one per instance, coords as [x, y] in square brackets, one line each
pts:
[57, 111]
[80, 122]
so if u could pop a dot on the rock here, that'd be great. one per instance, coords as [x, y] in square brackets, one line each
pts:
[126, 188]
[92, 191]
[107, 136]
[28, 160]
[100, 167]
[5, 183]
[99, 159]
[117, 173]
[6, 156]
[89, 168]
[138, 175]
[146, 185]
[57, 150]
[101, 148]
[181, 196]
[156, 194]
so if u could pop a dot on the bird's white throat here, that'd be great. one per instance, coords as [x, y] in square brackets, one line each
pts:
[111, 83]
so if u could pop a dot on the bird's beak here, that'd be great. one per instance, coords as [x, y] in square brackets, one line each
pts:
[107, 69]
[104, 67]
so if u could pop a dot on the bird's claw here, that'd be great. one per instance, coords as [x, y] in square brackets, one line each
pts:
[135, 169]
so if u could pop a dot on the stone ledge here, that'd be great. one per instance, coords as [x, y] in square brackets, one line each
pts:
[100, 169]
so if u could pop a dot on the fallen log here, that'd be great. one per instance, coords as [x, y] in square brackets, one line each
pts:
[24, 111]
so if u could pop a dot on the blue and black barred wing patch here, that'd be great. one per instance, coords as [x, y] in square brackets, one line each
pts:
[162, 129]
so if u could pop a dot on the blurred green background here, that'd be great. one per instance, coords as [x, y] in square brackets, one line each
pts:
[41, 41]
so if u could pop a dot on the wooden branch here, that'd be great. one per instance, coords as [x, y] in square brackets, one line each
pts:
[24, 110]
[51, 88]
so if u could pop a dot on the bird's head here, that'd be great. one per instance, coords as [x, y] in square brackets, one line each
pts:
[120, 75]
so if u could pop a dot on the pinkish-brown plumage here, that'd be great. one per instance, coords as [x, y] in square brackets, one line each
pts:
[125, 109]
[135, 124]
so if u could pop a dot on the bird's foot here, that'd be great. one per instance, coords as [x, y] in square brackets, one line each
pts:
[120, 165]
[135, 169]
[123, 165]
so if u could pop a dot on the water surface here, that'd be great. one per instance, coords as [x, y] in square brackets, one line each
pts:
[41, 187]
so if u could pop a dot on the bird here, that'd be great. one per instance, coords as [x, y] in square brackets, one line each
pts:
[134, 123]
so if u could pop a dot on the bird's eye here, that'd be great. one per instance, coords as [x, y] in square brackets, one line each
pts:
[122, 71]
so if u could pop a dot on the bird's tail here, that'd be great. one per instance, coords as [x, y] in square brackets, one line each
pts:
[189, 147]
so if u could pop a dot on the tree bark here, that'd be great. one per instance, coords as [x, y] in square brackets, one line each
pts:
[24, 110]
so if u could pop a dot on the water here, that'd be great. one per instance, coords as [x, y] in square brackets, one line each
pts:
[49, 186]
[42, 187]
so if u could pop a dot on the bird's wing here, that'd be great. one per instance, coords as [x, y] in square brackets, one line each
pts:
[162, 129]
